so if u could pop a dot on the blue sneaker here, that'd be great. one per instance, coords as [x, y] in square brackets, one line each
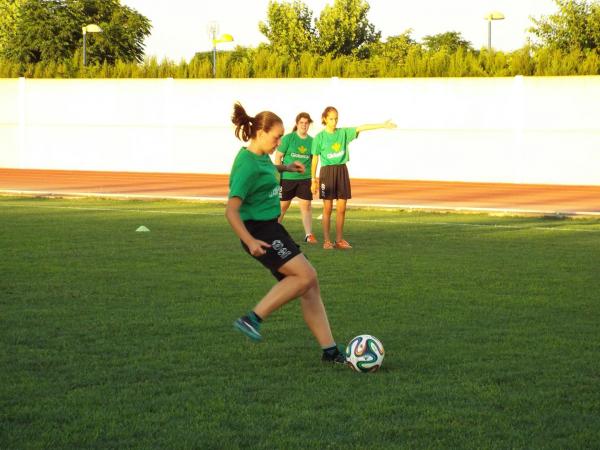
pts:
[250, 329]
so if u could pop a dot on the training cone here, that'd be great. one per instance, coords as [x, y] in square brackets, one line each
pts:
[142, 229]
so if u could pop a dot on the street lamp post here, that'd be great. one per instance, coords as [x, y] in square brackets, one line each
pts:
[213, 31]
[88, 29]
[223, 38]
[489, 17]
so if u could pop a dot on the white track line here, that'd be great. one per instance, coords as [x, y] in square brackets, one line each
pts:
[351, 205]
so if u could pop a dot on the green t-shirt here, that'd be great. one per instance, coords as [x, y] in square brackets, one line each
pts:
[255, 180]
[333, 147]
[294, 148]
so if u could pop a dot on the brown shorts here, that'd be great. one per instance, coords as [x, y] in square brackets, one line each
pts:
[295, 188]
[334, 182]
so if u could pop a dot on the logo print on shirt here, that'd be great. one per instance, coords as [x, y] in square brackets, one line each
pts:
[336, 147]
[302, 149]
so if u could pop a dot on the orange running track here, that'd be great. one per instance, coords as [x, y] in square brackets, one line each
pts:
[518, 198]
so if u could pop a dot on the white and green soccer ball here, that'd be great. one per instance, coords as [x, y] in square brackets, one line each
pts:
[364, 353]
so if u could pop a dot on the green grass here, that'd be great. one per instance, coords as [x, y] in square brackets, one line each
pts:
[115, 339]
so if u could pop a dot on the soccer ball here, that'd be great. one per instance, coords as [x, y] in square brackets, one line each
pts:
[365, 353]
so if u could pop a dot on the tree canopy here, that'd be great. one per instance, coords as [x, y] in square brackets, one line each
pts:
[450, 40]
[576, 26]
[289, 27]
[51, 30]
[344, 28]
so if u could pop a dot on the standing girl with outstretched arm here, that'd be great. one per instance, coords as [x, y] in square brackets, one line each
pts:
[252, 211]
[331, 146]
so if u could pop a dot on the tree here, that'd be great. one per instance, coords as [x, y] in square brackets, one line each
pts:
[344, 29]
[50, 30]
[288, 27]
[8, 17]
[450, 40]
[123, 30]
[576, 25]
[395, 48]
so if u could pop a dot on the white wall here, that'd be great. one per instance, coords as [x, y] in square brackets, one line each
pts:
[513, 130]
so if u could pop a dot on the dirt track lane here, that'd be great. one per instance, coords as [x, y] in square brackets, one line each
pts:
[415, 194]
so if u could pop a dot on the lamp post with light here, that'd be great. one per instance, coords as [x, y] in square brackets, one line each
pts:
[88, 29]
[495, 15]
[223, 38]
[213, 30]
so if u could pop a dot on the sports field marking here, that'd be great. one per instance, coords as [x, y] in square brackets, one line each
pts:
[409, 207]
[386, 221]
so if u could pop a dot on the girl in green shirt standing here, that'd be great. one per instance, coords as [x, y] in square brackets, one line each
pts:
[252, 211]
[331, 145]
[296, 146]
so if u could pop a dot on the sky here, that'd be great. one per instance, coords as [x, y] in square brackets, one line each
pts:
[180, 26]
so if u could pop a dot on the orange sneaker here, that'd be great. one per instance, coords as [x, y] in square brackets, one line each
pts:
[310, 239]
[328, 245]
[342, 245]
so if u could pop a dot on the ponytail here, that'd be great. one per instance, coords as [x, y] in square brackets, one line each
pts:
[247, 126]
[242, 121]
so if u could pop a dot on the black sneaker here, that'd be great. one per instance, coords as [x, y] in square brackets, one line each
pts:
[337, 357]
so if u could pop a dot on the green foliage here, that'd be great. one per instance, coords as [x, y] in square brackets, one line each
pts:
[338, 46]
[344, 29]
[288, 27]
[9, 10]
[395, 48]
[43, 31]
[452, 41]
[408, 61]
[576, 26]
[51, 30]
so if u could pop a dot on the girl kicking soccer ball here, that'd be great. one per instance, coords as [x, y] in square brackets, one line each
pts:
[252, 211]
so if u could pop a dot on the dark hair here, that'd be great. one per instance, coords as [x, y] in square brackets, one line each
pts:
[302, 115]
[248, 126]
[327, 111]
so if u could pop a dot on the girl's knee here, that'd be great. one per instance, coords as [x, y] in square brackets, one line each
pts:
[308, 278]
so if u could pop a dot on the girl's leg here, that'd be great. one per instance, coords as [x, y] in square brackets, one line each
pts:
[300, 276]
[327, 207]
[306, 211]
[285, 204]
[339, 218]
[300, 281]
[315, 316]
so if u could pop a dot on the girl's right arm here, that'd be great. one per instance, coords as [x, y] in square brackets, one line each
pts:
[278, 158]
[232, 213]
[314, 185]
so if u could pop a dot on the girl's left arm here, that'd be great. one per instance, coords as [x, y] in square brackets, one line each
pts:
[376, 126]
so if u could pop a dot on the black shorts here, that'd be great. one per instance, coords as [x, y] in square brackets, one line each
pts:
[334, 182]
[283, 248]
[295, 188]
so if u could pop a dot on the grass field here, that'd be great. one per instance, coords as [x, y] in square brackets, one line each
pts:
[115, 339]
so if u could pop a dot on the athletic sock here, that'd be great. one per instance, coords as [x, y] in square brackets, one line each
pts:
[331, 350]
[254, 318]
